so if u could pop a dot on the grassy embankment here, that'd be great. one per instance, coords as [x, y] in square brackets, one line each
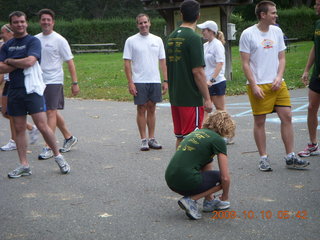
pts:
[101, 76]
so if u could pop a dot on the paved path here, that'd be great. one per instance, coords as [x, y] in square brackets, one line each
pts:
[114, 191]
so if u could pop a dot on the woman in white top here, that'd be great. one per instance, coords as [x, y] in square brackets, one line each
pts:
[214, 56]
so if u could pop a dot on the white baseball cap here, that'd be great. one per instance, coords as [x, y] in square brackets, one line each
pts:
[210, 25]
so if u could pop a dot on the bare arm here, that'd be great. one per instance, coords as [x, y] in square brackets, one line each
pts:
[257, 91]
[282, 63]
[72, 70]
[5, 68]
[309, 64]
[22, 62]
[200, 79]
[163, 67]
[128, 71]
[224, 174]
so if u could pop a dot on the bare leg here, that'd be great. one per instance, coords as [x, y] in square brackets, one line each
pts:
[40, 119]
[285, 116]
[62, 126]
[151, 118]
[20, 125]
[260, 133]
[219, 102]
[141, 120]
[314, 103]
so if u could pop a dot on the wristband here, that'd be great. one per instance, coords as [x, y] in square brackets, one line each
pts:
[74, 83]
[165, 81]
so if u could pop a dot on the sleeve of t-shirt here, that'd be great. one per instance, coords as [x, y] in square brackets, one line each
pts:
[162, 53]
[196, 52]
[65, 50]
[3, 53]
[244, 43]
[34, 48]
[282, 45]
[219, 53]
[127, 50]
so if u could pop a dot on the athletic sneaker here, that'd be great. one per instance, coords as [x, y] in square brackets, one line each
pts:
[34, 135]
[67, 144]
[154, 144]
[215, 204]
[311, 150]
[144, 145]
[295, 162]
[45, 154]
[191, 208]
[20, 171]
[63, 165]
[264, 164]
[229, 141]
[11, 145]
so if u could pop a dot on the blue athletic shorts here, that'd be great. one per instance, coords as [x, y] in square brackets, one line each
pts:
[20, 103]
[218, 89]
[147, 92]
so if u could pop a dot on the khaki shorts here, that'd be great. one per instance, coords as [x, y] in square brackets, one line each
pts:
[279, 98]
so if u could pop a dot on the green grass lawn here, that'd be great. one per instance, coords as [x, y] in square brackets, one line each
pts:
[101, 76]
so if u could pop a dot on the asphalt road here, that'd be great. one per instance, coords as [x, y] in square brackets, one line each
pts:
[114, 191]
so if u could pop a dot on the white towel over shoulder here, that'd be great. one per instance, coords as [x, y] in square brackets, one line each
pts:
[33, 80]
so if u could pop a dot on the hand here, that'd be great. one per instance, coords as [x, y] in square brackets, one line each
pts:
[164, 88]
[208, 106]
[258, 92]
[305, 78]
[209, 83]
[276, 84]
[75, 89]
[132, 89]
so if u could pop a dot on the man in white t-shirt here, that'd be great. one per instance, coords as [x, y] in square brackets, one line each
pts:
[143, 52]
[262, 51]
[55, 51]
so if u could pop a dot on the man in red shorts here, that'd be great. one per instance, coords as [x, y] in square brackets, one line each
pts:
[187, 80]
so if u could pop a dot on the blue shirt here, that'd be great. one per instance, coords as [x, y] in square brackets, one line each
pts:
[18, 48]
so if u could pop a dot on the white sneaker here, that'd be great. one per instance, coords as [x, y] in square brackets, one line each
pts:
[11, 145]
[34, 135]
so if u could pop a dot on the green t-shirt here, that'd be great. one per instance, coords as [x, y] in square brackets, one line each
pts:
[184, 51]
[194, 152]
[316, 65]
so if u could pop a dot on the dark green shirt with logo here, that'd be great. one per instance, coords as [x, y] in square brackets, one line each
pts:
[194, 152]
[184, 51]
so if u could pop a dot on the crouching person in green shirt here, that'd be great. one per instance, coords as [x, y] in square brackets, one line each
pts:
[190, 171]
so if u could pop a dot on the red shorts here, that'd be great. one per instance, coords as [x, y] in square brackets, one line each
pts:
[186, 119]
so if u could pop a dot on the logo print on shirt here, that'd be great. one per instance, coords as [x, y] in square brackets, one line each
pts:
[266, 43]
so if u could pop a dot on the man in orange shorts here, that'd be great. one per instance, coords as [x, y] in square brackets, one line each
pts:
[262, 51]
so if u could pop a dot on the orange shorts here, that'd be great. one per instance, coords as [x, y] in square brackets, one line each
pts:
[279, 98]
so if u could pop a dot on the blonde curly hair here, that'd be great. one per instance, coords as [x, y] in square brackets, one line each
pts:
[221, 123]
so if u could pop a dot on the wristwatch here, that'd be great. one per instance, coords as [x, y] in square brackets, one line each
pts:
[213, 80]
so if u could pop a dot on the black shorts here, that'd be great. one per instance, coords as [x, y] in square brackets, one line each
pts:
[54, 96]
[210, 179]
[5, 89]
[218, 89]
[20, 103]
[147, 92]
[314, 84]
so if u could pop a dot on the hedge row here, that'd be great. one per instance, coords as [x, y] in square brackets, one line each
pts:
[99, 31]
[295, 23]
